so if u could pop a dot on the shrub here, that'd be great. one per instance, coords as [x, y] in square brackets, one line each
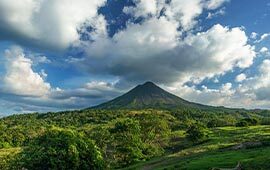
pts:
[247, 122]
[242, 123]
[196, 133]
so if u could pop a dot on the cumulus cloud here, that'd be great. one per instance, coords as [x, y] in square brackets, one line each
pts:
[264, 51]
[241, 77]
[254, 35]
[25, 90]
[143, 52]
[253, 92]
[20, 79]
[213, 4]
[50, 23]
[185, 11]
[144, 8]
[261, 83]
[225, 95]
[263, 37]
[90, 94]
[216, 13]
[220, 49]
[258, 86]
[164, 46]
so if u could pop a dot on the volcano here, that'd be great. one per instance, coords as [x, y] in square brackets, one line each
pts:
[147, 96]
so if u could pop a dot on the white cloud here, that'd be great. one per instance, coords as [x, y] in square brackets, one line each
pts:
[220, 49]
[222, 96]
[20, 79]
[50, 23]
[214, 4]
[203, 55]
[254, 93]
[264, 50]
[137, 40]
[143, 8]
[254, 35]
[227, 89]
[154, 49]
[184, 11]
[241, 77]
[220, 12]
[263, 80]
[263, 37]
[99, 85]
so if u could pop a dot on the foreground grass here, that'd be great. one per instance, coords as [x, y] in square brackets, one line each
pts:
[218, 151]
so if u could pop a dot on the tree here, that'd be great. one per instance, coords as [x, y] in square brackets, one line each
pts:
[102, 137]
[127, 144]
[61, 149]
[196, 133]
[247, 122]
[154, 134]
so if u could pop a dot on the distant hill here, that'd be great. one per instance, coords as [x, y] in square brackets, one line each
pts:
[149, 95]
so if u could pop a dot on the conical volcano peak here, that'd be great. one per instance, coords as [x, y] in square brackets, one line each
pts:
[147, 95]
[147, 87]
[149, 83]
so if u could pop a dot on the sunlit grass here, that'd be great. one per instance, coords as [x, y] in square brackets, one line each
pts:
[216, 152]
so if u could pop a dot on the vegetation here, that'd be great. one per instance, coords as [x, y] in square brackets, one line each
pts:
[196, 133]
[225, 148]
[60, 149]
[112, 139]
[175, 134]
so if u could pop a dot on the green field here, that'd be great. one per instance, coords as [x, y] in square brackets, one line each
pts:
[219, 151]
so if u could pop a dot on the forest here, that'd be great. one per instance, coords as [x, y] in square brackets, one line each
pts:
[116, 139]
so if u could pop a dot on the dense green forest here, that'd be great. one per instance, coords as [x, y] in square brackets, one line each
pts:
[112, 139]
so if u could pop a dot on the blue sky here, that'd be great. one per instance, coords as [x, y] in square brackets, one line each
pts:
[67, 54]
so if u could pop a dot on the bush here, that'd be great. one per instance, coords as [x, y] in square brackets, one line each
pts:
[242, 123]
[252, 121]
[247, 122]
[217, 123]
[60, 149]
[196, 133]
